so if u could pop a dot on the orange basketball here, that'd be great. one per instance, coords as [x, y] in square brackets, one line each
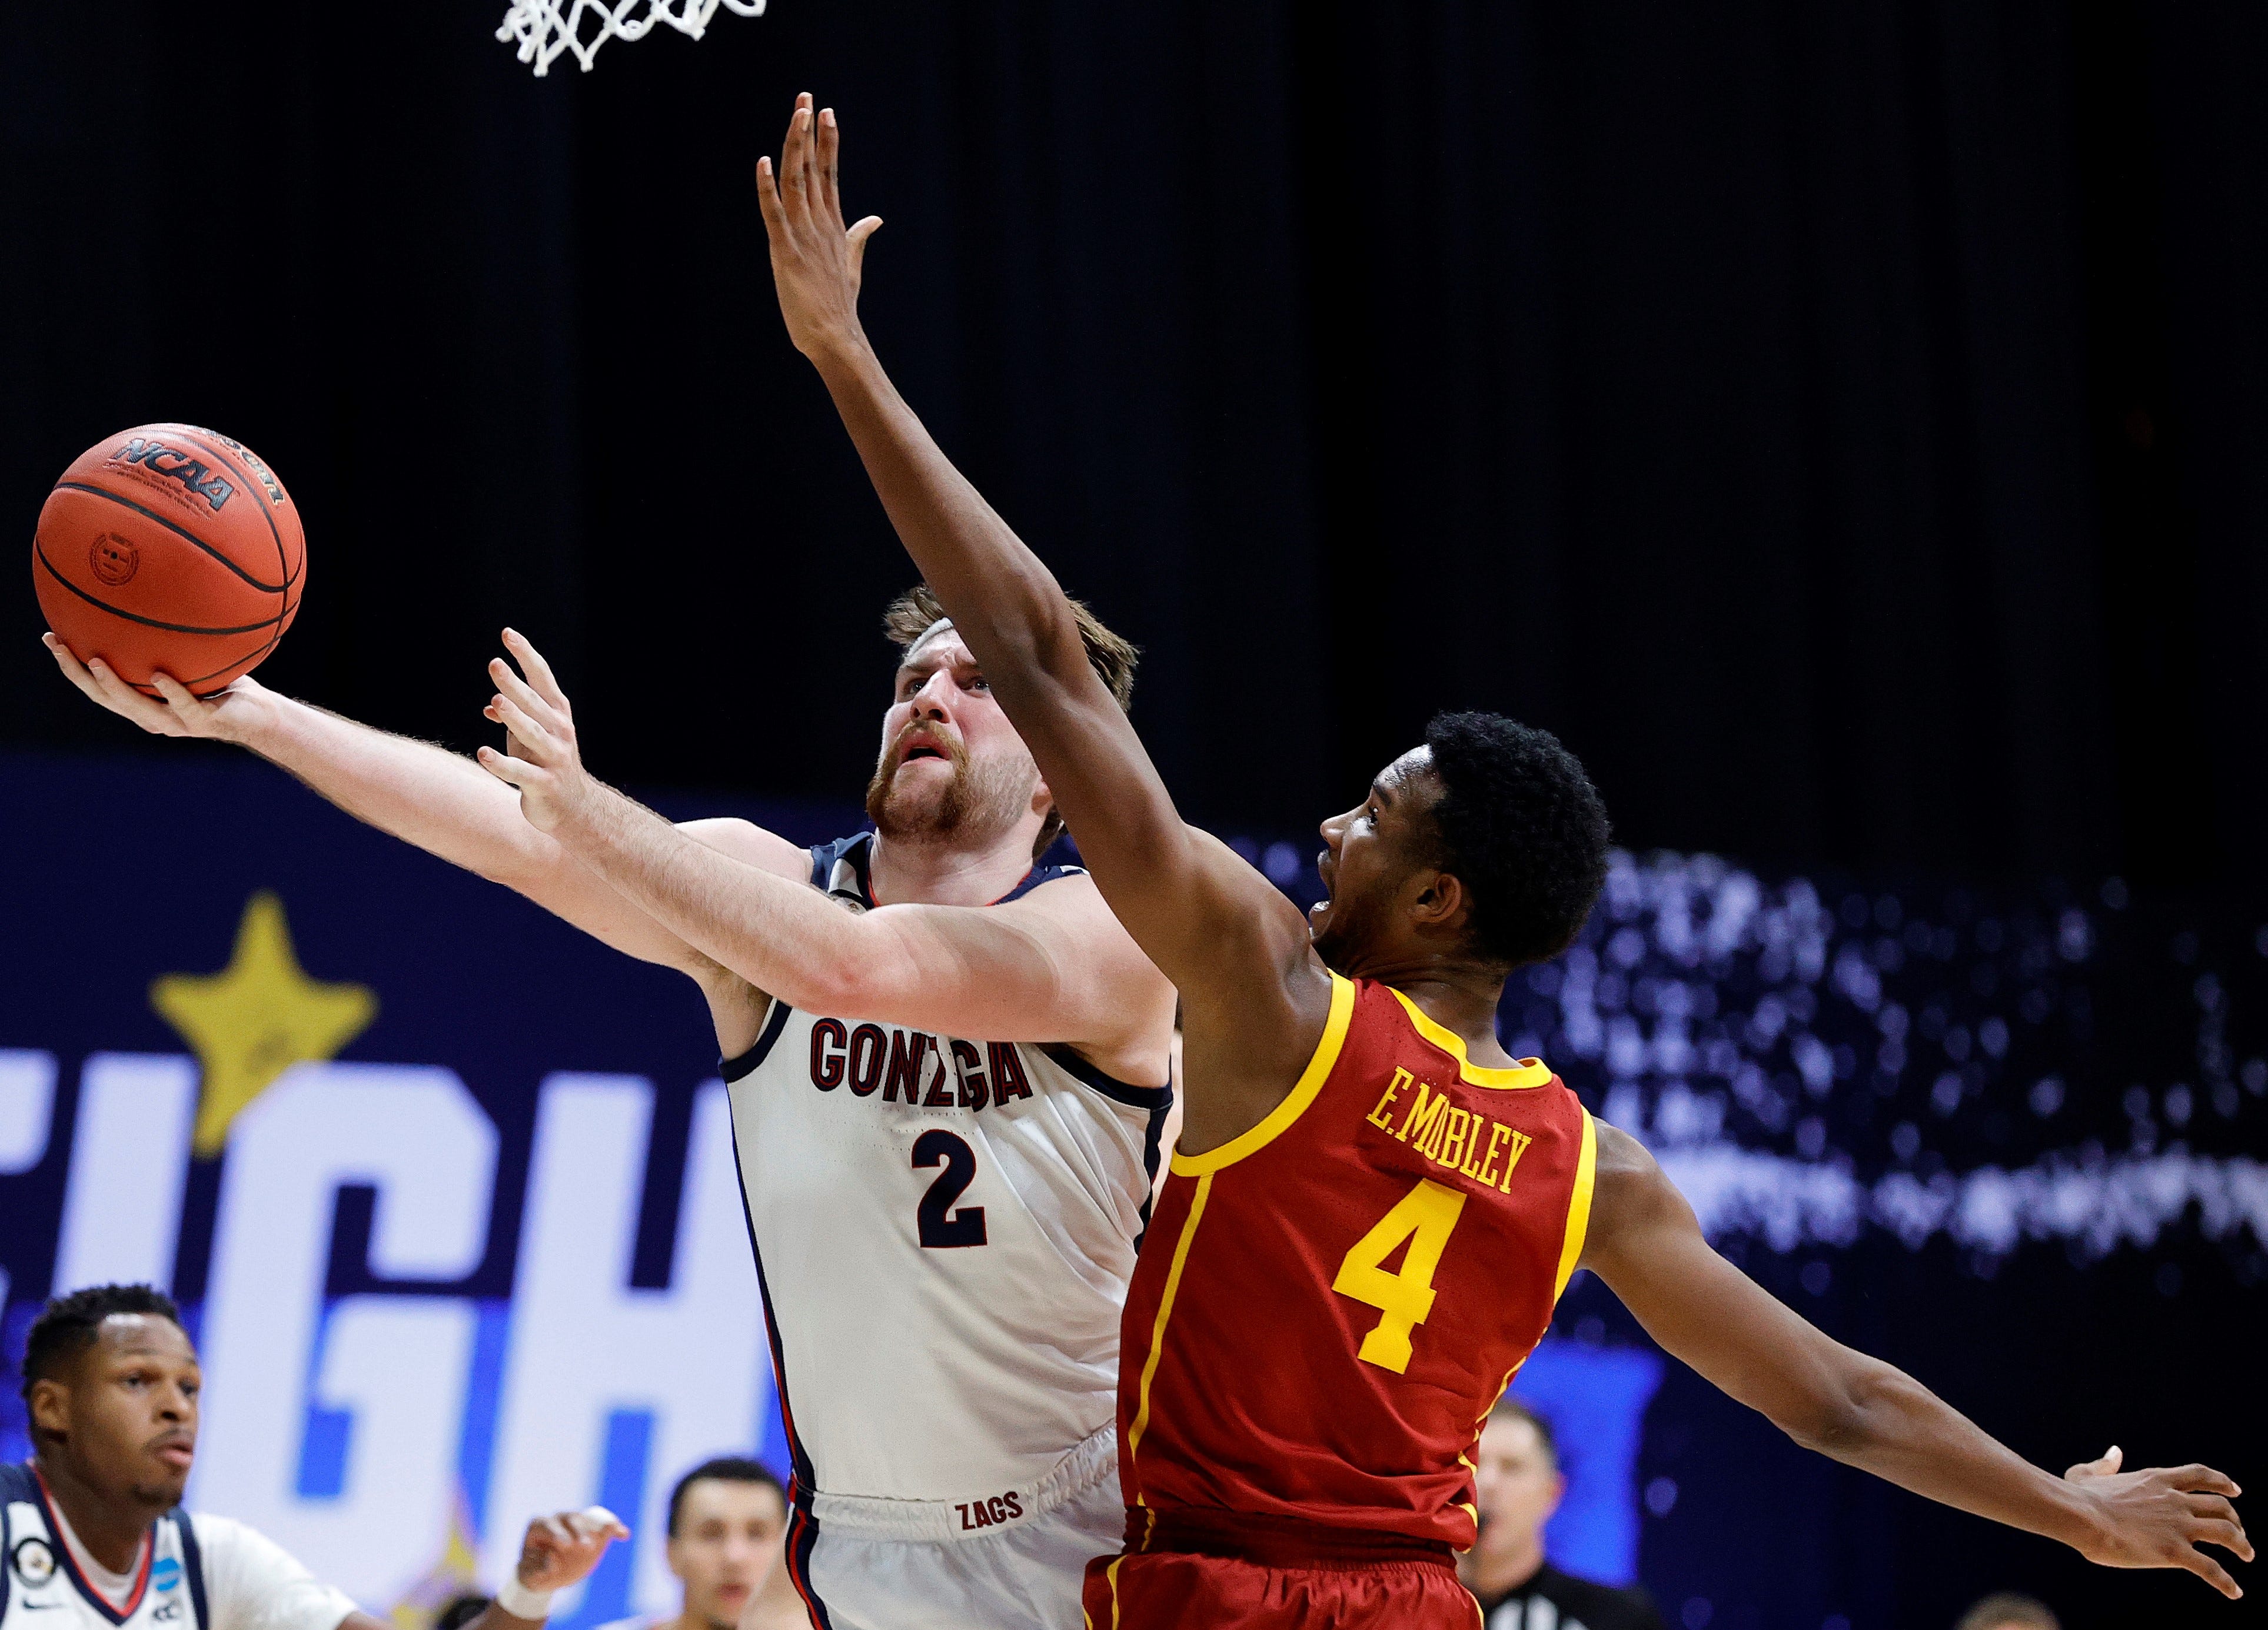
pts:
[170, 549]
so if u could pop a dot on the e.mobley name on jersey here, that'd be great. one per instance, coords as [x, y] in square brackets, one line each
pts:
[1449, 1136]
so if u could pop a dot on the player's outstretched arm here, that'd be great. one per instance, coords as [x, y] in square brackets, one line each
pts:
[419, 792]
[1238, 950]
[1054, 966]
[1645, 1243]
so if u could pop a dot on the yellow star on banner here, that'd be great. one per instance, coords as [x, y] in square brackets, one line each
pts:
[256, 1018]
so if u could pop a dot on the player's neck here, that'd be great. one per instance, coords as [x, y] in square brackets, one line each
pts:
[1499, 1573]
[911, 871]
[109, 1532]
[1460, 998]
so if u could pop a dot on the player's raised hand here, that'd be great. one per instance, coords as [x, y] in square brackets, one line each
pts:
[561, 1550]
[2158, 1518]
[220, 717]
[546, 762]
[816, 259]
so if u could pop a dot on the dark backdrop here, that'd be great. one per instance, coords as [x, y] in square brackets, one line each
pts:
[1846, 425]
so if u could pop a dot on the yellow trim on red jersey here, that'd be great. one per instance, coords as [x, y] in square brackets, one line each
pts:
[1578, 1206]
[1158, 1328]
[1295, 1103]
[1527, 1072]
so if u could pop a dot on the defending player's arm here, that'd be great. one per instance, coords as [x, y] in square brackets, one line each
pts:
[1647, 1244]
[1054, 966]
[427, 796]
[1238, 950]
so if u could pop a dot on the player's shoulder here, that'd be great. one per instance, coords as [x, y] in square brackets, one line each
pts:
[228, 1543]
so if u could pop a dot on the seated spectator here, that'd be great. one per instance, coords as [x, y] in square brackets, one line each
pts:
[1519, 1484]
[727, 1521]
[2005, 1609]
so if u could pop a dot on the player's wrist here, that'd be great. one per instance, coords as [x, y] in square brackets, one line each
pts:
[521, 1602]
[840, 345]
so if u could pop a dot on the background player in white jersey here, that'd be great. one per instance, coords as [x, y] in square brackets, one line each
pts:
[946, 1122]
[92, 1528]
[728, 1517]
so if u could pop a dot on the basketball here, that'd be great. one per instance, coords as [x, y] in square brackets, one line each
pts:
[170, 549]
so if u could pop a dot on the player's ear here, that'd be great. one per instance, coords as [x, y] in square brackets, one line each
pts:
[1439, 901]
[49, 1404]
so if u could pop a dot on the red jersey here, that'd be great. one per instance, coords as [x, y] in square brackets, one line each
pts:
[1328, 1307]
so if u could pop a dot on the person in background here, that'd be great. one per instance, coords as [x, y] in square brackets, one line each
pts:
[1518, 1485]
[2005, 1609]
[92, 1528]
[727, 1518]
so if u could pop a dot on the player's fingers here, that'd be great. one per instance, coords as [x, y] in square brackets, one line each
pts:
[75, 670]
[2226, 1535]
[2211, 1572]
[523, 694]
[2103, 1467]
[768, 199]
[795, 164]
[190, 709]
[532, 735]
[858, 235]
[826, 173]
[123, 698]
[539, 671]
[2194, 1480]
[511, 771]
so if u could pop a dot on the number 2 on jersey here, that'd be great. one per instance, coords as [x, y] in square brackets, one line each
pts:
[965, 1226]
[1425, 1217]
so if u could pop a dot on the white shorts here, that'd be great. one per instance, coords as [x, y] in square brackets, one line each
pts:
[932, 1565]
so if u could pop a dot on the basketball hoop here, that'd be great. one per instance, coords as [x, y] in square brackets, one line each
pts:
[544, 28]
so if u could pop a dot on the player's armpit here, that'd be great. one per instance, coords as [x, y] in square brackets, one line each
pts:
[1645, 1242]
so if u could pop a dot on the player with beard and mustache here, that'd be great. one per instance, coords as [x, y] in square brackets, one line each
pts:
[948, 1101]
[1373, 1208]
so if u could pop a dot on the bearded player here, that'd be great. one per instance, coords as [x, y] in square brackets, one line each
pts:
[947, 1099]
[92, 1535]
[1373, 1207]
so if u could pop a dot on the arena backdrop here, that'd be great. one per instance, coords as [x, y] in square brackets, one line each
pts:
[447, 1190]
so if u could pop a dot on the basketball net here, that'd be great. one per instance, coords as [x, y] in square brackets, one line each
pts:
[544, 28]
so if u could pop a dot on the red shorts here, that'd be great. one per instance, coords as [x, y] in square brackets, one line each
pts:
[1277, 1583]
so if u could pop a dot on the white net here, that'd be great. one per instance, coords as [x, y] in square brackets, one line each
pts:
[545, 28]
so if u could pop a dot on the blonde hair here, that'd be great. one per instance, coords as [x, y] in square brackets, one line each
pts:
[911, 616]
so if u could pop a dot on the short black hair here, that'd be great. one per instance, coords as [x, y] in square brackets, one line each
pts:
[459, 1611]
[1511, 1408]
[67, 1325]
[724, 1469]
[1522, 826]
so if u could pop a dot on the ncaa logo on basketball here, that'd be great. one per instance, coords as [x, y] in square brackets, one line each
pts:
[33, 1562]
[191, 473]
[113, 558]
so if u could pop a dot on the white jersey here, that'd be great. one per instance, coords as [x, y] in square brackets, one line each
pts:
[201, 1573]
[944, 1230]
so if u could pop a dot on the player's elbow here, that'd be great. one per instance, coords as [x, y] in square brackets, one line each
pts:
[1853, 1408]
[852, 981]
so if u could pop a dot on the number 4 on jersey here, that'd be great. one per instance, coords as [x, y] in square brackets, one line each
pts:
[1425, 1217]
